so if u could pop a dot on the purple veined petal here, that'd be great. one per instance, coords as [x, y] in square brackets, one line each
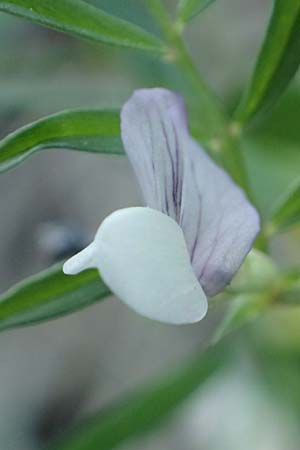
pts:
[142, 256]
[179, 179]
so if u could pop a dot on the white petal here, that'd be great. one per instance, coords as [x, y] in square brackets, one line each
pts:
[142, 256]
[178, 178]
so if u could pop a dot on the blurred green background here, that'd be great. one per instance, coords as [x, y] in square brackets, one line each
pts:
[54, 374]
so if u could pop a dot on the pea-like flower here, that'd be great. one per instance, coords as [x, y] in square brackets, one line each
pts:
[163, 260]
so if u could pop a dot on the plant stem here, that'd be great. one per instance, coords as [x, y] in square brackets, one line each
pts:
[177, 53]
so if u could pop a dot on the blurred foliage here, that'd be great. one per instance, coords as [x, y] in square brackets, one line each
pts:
[272, 147]
[145, 409]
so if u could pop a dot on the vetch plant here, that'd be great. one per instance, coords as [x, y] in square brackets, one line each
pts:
[153, 262]
[213, 188]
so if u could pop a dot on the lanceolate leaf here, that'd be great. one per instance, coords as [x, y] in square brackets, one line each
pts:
[85, 130]
[80, 19]
[187, 9]
[145, 410]
[278, 61]
[287, 210]
[49, 294]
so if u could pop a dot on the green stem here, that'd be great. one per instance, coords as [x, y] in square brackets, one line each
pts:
[207, 101]
[214, 117]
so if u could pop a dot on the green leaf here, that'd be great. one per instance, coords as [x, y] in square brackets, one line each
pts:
[287, 210]
[187, 9]
[145, 410]
[85, 130]
[78, 18]
[277, 62]
[48, 295]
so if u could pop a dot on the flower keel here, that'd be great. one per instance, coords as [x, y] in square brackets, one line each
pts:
[142, 256]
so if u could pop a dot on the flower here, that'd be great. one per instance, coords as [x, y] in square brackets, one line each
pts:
[163, 260]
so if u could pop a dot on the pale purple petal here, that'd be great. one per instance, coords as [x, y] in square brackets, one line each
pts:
[179, 179]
